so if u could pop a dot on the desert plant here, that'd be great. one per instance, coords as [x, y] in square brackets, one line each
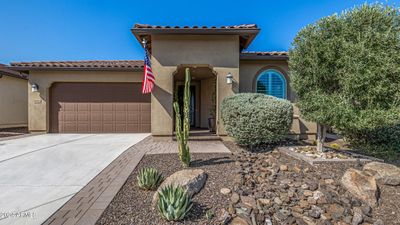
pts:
[149, 178]
[182, 125]
[345, 70]
[253, 119]
[174, 203]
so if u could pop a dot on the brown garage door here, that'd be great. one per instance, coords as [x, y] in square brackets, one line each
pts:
[99, 108]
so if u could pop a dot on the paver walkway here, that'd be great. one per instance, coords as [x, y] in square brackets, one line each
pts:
[87, 206]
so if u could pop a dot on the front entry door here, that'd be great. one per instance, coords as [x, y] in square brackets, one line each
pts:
[192, 107]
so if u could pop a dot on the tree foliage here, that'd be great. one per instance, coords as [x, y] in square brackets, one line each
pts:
[345, 70]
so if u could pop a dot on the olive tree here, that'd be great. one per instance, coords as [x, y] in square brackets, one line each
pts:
[345, 70]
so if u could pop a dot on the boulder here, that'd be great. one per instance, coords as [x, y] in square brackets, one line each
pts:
[386, 173]
[192, 180]
[361, 185]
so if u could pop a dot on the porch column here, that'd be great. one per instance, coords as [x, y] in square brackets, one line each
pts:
[224, 90]
[161, 99]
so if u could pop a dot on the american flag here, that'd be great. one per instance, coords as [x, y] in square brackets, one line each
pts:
[148, 78]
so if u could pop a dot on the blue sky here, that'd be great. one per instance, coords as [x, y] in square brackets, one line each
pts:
[100, 30]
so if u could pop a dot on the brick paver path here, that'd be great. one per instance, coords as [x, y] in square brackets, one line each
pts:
[86, 207]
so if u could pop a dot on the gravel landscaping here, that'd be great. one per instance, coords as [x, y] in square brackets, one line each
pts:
[133, 206]
[274, 188]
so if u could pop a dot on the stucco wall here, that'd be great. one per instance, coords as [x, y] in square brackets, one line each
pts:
[38, 107]
[221, 52]
[13, 102]
[249, 71]
[206, 100]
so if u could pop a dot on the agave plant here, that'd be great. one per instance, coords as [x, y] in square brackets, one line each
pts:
[149, 178]
[174, 203]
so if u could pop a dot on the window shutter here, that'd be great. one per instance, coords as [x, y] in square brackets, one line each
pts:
[271, 82]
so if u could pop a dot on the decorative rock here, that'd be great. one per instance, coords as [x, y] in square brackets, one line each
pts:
[315, 212]
[224, 217]
[361, 186]
[264, 201]
[235, 198]
[278, 201]
[308, 193]
[249, 201]
[378, 222]
[308, 220]
[357, 217]
[192, 180]
[329, 181]
[225, 191]
[385, 173]
[283, 167]
[297, 169]
[239, 221]
[268, 221]
[366, 210]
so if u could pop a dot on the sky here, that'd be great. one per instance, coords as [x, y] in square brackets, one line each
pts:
[40, 30]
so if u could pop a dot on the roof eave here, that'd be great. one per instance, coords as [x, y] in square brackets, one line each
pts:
[13, 73]
[35, 68]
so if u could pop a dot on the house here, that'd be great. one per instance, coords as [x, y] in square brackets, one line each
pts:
[13, 98]
[105, 96]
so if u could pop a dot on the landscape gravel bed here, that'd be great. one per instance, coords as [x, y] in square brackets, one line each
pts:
[133, 206]
[274, 188]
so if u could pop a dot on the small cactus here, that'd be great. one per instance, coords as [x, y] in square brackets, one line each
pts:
[174, 203]
[149, 179]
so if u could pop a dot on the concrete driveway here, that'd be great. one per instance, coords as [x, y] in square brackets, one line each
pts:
[38, 174]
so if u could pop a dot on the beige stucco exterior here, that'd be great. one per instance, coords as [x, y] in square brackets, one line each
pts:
[38, 102]
[13, 102]
[220, 52]
[210, 57]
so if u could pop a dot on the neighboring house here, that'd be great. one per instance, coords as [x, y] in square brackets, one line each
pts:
[105, 96]
[13, 98]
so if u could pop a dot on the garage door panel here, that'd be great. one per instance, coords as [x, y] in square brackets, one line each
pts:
[134, 128]
[120, 116]
[99, 108]
[145, 127]
[95, 107]
[108, 107]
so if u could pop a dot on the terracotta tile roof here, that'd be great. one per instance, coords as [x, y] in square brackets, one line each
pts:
[274, 53]
[6, 71]
[246, 32]
[264, 55]
[242, 26]
[84, 65]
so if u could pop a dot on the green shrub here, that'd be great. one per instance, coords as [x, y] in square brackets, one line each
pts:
[174, 203]
[253, 119]
[345, 70]
[149, 178]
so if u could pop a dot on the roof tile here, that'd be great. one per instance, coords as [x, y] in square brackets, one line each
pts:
[117, 64]
[242, 26]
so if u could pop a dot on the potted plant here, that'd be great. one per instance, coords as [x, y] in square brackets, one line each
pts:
[211, 118]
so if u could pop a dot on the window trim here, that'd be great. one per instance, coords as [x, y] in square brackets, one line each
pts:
[281, 72]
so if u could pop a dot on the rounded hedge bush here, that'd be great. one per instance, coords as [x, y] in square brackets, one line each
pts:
[253, 119]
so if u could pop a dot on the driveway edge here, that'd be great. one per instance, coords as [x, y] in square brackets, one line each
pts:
[88, 204]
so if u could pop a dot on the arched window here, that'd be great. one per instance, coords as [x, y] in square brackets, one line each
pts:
[271, 82]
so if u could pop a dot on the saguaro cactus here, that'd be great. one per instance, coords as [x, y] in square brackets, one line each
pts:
[182, 132]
